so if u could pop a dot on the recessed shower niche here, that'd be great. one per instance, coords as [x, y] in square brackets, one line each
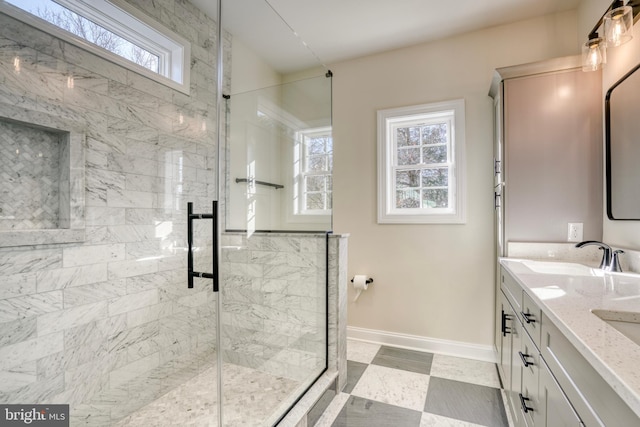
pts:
[41, 180]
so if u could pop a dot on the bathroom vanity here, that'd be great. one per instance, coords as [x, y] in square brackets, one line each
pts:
[569, 344]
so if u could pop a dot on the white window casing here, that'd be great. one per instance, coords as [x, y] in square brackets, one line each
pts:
[448, 207]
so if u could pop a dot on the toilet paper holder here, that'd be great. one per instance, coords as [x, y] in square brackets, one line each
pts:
[360, 286]
[368, 281]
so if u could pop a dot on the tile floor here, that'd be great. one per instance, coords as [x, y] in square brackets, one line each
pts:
[391, 386]
[251, 398]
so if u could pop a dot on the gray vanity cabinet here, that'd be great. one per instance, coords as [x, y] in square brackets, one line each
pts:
[514, 346]
[548, 126]
[557, 412]
[548, 382]
[534, 398]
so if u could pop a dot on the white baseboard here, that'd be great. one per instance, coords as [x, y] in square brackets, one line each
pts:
[484, 353]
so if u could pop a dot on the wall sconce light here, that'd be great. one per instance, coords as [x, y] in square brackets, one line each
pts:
[617, 24]
[594, 53]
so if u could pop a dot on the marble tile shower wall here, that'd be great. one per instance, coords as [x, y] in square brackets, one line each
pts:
[274, 303]
[108, 325]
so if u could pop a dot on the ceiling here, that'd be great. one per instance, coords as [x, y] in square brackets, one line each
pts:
[335, 30]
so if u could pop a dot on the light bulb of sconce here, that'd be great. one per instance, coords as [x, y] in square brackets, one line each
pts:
[70, 82]
[180, 118]
[594, 54]
[618, 24]
[16, 64]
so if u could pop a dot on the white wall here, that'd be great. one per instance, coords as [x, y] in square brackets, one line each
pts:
[249, 71]
[430, 280]
[620, 60]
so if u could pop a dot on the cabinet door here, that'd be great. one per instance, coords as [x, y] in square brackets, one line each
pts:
[556, 409]
[552, 130]
[498, 177]
[509, 359]
[503, 339]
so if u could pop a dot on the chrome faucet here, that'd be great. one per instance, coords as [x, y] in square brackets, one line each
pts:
[615, 262]
[610, 261]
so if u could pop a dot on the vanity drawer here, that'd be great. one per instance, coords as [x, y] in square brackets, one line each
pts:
[530, 359]
[557, 410]
[594, 400]
[511, 289]
[531, 318]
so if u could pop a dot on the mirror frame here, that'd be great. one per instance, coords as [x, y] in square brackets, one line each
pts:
[608, 166]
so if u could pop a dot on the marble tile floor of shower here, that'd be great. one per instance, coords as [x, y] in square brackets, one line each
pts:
[251, 398]
[388, 386]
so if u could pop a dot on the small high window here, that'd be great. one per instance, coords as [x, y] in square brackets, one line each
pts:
[421, 164]
[114, 30]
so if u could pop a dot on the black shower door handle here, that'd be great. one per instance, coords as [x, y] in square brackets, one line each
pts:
[190, 272]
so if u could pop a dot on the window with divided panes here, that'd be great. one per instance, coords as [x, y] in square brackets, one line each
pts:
[317, 164]
[420, 158]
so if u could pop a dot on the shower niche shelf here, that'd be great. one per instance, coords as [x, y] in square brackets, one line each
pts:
[41, 179]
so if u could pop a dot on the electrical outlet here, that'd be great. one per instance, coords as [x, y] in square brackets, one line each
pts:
[575, 232]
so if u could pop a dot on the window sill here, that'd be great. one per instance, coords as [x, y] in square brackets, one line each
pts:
[395, 218]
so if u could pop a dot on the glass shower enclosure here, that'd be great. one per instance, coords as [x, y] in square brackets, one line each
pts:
[163, 183]
[275, 150]
[274, 250]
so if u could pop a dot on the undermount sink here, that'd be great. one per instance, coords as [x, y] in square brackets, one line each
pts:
[626, 322]
[562, 268]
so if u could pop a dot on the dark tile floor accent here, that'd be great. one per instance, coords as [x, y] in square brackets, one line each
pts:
[321, 405]
[407, 360]
[359, 412]
[354, 372]
[405, 379]
[464, 401]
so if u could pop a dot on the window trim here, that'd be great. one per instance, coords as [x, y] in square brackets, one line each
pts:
[121, 18]
[387, 212]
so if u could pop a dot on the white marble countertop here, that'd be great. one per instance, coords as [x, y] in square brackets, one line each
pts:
[566, 293]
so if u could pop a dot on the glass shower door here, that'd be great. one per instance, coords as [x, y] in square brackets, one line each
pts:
[274, 248]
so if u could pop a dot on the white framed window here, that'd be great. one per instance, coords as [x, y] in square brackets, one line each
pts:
[313, 165]
[421, 164]
[114, 30]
